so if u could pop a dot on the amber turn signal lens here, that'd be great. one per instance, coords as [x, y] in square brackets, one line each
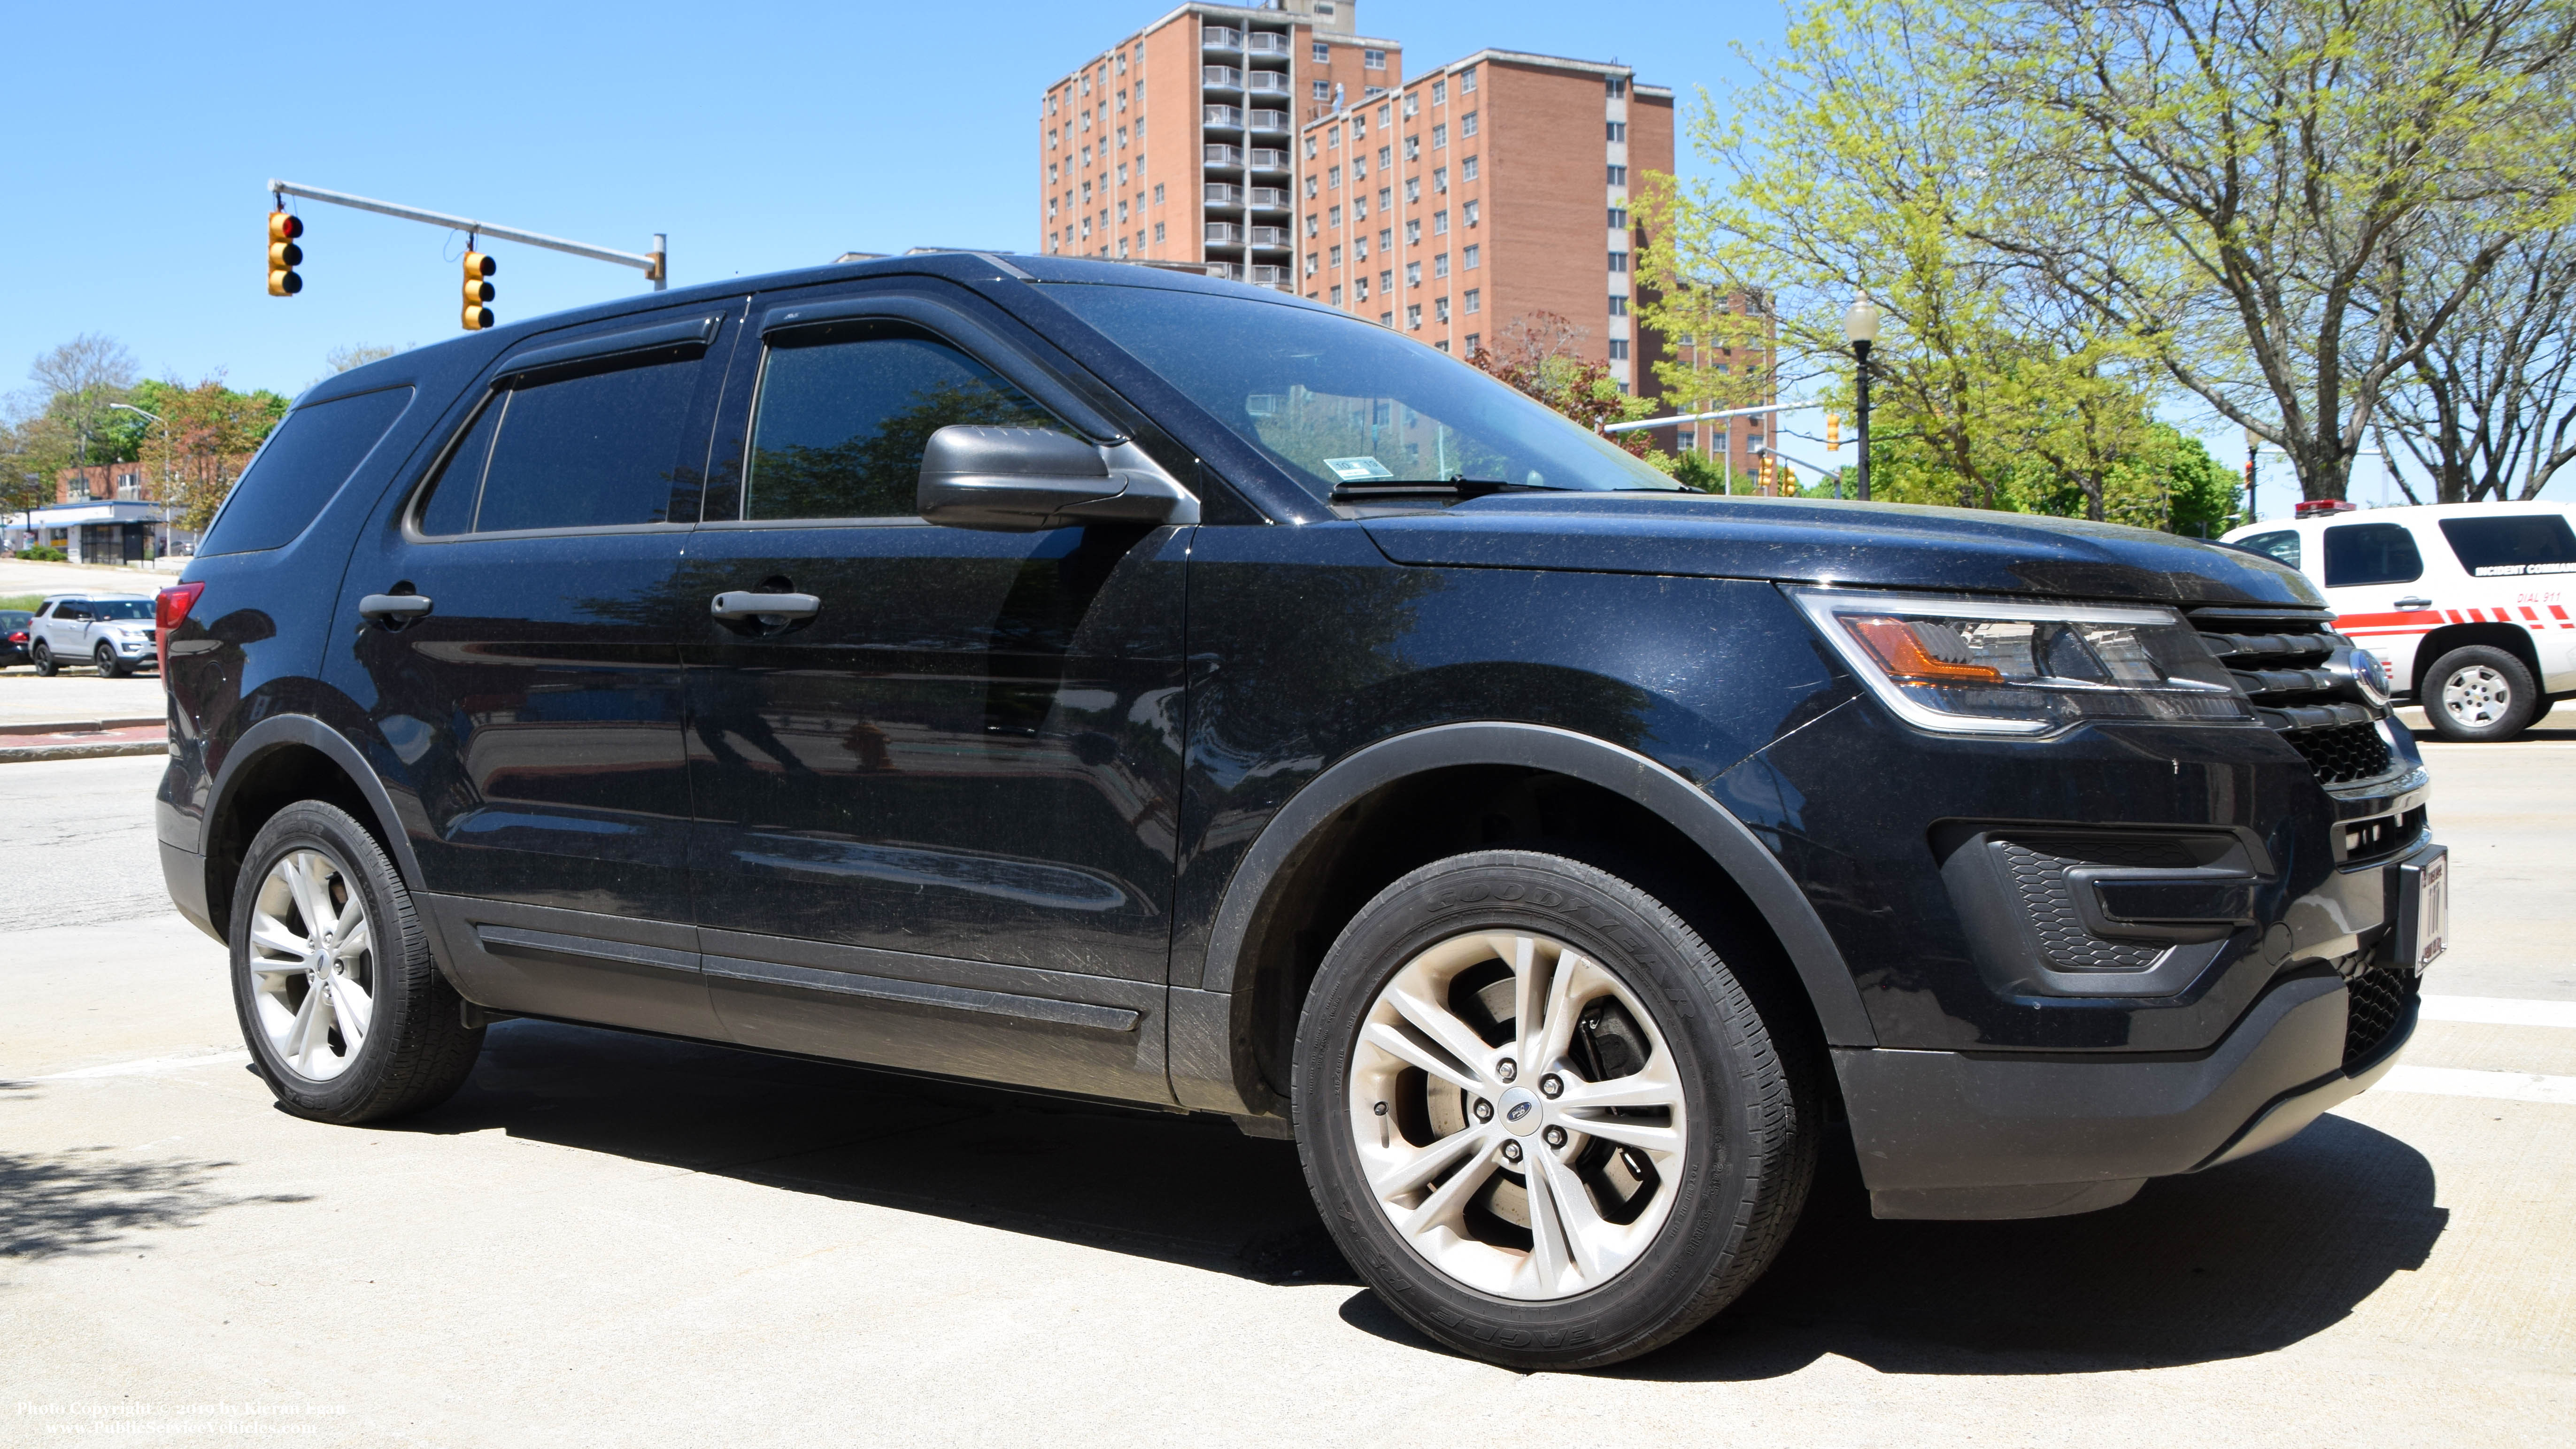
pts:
[1893, 644]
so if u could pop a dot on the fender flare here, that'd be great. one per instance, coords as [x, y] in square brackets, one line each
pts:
[1726, 840]
[277, 731]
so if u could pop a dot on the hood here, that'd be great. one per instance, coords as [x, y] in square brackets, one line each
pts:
[1804, 540]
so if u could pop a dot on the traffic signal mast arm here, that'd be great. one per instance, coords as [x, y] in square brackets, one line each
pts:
[1696, 417]
[655, 264]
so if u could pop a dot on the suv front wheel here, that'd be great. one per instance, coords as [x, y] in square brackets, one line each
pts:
[1541, 1117]
[2480, 693]
[346, 1016]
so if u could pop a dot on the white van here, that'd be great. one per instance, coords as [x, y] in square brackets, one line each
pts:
[2465, 605]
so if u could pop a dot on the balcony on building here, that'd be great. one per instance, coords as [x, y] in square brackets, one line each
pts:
[1221, 37]
[1269, 120]
[1267, 158]
[1223, 234]
[1228, 157]
[1263, 82]
[1270, 198]
[1270, 236]
[1268, 42]
[1220, 78]
[1221, 118]
[1262, 274]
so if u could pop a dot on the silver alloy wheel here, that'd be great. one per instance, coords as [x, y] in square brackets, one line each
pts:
[1535, 1169]
[2476, 696]
[312, 959]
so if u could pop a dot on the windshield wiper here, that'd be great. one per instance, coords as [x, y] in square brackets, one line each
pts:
[1453, 489]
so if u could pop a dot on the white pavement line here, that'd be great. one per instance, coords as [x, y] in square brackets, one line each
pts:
[2462, 1082]
[2499, 1011]
[149, 1066]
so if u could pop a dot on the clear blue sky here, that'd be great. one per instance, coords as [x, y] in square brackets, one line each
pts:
[759, 136]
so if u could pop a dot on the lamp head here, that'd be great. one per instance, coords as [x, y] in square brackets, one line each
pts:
[1860, 324]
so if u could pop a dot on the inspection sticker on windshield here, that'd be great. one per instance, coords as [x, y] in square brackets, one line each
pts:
[1357, 470]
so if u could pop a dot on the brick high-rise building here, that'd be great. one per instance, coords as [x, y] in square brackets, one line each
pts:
[1178, 143]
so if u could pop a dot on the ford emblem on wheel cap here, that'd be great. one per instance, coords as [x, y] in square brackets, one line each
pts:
[1519, 1110]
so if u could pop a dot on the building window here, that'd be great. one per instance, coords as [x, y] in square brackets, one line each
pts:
[1323, 53]
[1122, 138]
[1158, 193]
[1386, 320]
[1440, 265]
[1323, 90]
[1086, 85]
[1122, 95]
[1472, 258]
[1443, 343]
[1618, 87]
[1086, 156]
[1618, 349]
[1359, 249]
[1413, 232]
[1310, 223]
[1467, 81]
[1618, 130]
[1312, 264]
[1439, 93]
[1413, 148]
[1618, 175]
[1473, 208]
[1618, 218]
[1413, 317]
[1360, 288]
[1122, 208]
[1618, 305]
[1413, 274]
[1385, 157]
[1440, 137]
[1050, 138]
[1086, 192]
[1373, 59]
[1385, 282]
[1467, 124]
[1385, 239]
[1439, 178]
[1412, 188]
[1359, 208]
[1333, 217]
[1333, 176]
[1439, 309]
[1158, 233]
[1337, 296]
[1467, 169]
[1475, 341]
[1122, 246]
[1618, 261]
[1337, 258]
[1122, 173]
[1475, 303]
[1440, 223]
[1412, 104]
[1310, 188]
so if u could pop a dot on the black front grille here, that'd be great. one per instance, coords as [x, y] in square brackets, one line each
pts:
[2279, 657]
[2379, 998]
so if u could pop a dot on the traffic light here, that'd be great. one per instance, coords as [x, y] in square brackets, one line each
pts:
[1766, 475]
[284, 256]
[478, 290]
[1833, 432]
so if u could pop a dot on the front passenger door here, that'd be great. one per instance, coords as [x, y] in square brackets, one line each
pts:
[936, 818]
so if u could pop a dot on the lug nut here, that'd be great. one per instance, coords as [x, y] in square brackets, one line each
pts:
[1552, 1085]
[1555, 1136]
[1380, 1109]
[1484, 1110]
[1511, 1152]
[1507, 1069]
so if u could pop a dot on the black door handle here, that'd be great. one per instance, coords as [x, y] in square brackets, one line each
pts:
[393, 608]
[2417, 602]
[736, 605]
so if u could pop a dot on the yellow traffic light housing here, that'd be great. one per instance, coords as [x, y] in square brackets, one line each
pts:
[478, 290]
[1833, 432]
[284, 256]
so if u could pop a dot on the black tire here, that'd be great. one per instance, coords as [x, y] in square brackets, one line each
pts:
[2496, 697]
[2540, 712]
[43, 655]
[1749, 1156]
[109, 665]
[417, 1051]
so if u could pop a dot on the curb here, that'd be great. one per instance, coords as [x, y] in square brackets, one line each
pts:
[73, 726]
[30, 754]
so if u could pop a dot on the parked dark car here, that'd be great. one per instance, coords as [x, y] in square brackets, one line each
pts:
[1097, 680]
[13, 637]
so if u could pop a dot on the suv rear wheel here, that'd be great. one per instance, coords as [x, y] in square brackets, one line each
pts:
[43, 654]
[2480, 693]
[1541, 1117]
[346, 1016]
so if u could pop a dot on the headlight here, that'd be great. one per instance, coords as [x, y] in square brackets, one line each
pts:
[1975, 667]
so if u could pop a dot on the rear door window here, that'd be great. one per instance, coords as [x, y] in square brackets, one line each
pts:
[299, 471]
[2371, 553]
[2512, 546]
[599, 449]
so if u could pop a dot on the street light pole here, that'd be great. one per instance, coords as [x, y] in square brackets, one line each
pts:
[2253, 442]
[1860, 325]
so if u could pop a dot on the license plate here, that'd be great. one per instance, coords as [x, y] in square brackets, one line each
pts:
[2424, 908]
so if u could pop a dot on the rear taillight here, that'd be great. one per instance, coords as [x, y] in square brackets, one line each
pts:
[170, 609]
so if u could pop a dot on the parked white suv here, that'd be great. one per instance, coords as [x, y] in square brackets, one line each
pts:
[2465, 605]
[113, 631]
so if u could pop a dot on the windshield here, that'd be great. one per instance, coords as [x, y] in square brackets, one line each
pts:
[1334, 400]
[120, 609]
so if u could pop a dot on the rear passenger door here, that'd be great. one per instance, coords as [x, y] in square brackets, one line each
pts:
[529, 706]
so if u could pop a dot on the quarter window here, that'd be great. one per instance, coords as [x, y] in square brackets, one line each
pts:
[2510, 547]
[2371, 553]
[297, 474]
[842, 419]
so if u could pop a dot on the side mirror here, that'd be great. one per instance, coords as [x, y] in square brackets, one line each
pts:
[1023, 480]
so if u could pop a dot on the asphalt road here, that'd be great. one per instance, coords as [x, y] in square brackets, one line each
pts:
[615, 1240]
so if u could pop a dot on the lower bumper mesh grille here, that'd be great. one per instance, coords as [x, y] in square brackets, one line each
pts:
[2379, 999]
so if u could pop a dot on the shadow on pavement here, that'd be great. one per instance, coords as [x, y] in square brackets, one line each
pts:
[2241, 1260]
[86, 1201]
[1186, 1190]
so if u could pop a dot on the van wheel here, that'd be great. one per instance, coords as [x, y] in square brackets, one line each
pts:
[346, 1016]
[1541, 1117]
[2480, 693]
[44, 657]
[109, 666]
